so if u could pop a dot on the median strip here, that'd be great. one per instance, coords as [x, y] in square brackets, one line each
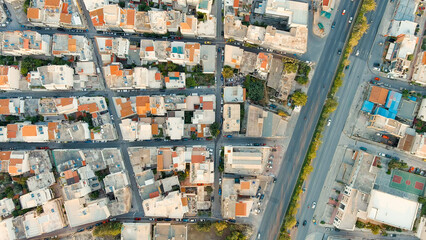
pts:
[358, 30]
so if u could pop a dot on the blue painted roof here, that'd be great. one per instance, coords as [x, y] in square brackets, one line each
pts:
[393, 100]
[367, 106]
[385, 113]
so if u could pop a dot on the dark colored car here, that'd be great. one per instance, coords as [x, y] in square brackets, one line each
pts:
[297, 224]
[333, 25]
[363, 148]
[339, 52]
[90, 227]
[185, 220]
[160, 219]
[305, 222]
[262, 196]
[80, 230]
[138, 219]
[220, 191]
[168, 219]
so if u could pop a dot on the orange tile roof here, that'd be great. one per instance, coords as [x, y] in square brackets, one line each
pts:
[126, 109]
[72, 45]
[15, 161]
[240, 209]
[197, 158]
[154, 194]
[236, 3]
[29, 131]
[114, 69]
[90, 107]
[11, 130]
[325, 2]
[142, 105]
[154, 129]
[65, 8]
[5, 155]
[130, 17]
[33, 13]
[160, 163]
[378, 95]
[65, 18]
[108, 42]
[52, 3]
[208, 105]
[184, 201]
[4, 106]
[167, 79]
[65, 101]
[176, 74]
[13, 170]
[52, 128]
[157, 76]
[424, 58]
[97, 17]
[149, 48]
[245, 185]
[68, 174]
[26, 43]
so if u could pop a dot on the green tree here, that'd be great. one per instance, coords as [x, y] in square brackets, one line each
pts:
[330, 105]
[190, 82]
[214, 129]
[39, 209]
[236, 235]
[299, 98]
[227, 72]
[182, 175]
[360, 224]
[255, 88]
[302, 80]
[220, 227]
[204, 226]
[108, 229]
[122, 4]
[208, 189]
[375, 229]
[94, 195]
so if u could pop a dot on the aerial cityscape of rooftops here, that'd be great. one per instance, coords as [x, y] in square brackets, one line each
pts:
[212, 119]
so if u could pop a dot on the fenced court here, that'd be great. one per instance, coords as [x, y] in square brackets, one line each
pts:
[408, 182]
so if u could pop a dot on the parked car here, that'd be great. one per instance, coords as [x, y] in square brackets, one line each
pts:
[381, 154]
[220, 191]
[328, 122]
[297, 224]
[333, 25]
[138, 219]
[185, 220]
[363, 149]
[339, 51]
[411, 169]
[314, 204]
[350, 19]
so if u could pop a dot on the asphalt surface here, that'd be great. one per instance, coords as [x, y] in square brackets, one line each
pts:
[354, 77]
[309, 115]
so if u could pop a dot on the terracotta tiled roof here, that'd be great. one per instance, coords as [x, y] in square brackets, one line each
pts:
[240, 209]
[29, 131]
[72, 45]
[208, 105]
[33, 13]
[154, 129]
[378, 95]
[52, 3]
[245, 185]
[130, 17]
[4, 106]
[160, 163]
[197, 159]
[65, 101]
[126, 109]
[11, 130]
[65, 18]
[90, 107]
[5, 155]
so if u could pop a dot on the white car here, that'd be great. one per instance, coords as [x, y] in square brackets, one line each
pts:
[357, 53]
[382, 154]
[328, 122]
[314, 204]
[350, 19]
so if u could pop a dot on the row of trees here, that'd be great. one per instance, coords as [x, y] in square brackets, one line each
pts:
[331, 105]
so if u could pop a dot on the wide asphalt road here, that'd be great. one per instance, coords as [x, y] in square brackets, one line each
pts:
[354, 76]
[293, 159]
